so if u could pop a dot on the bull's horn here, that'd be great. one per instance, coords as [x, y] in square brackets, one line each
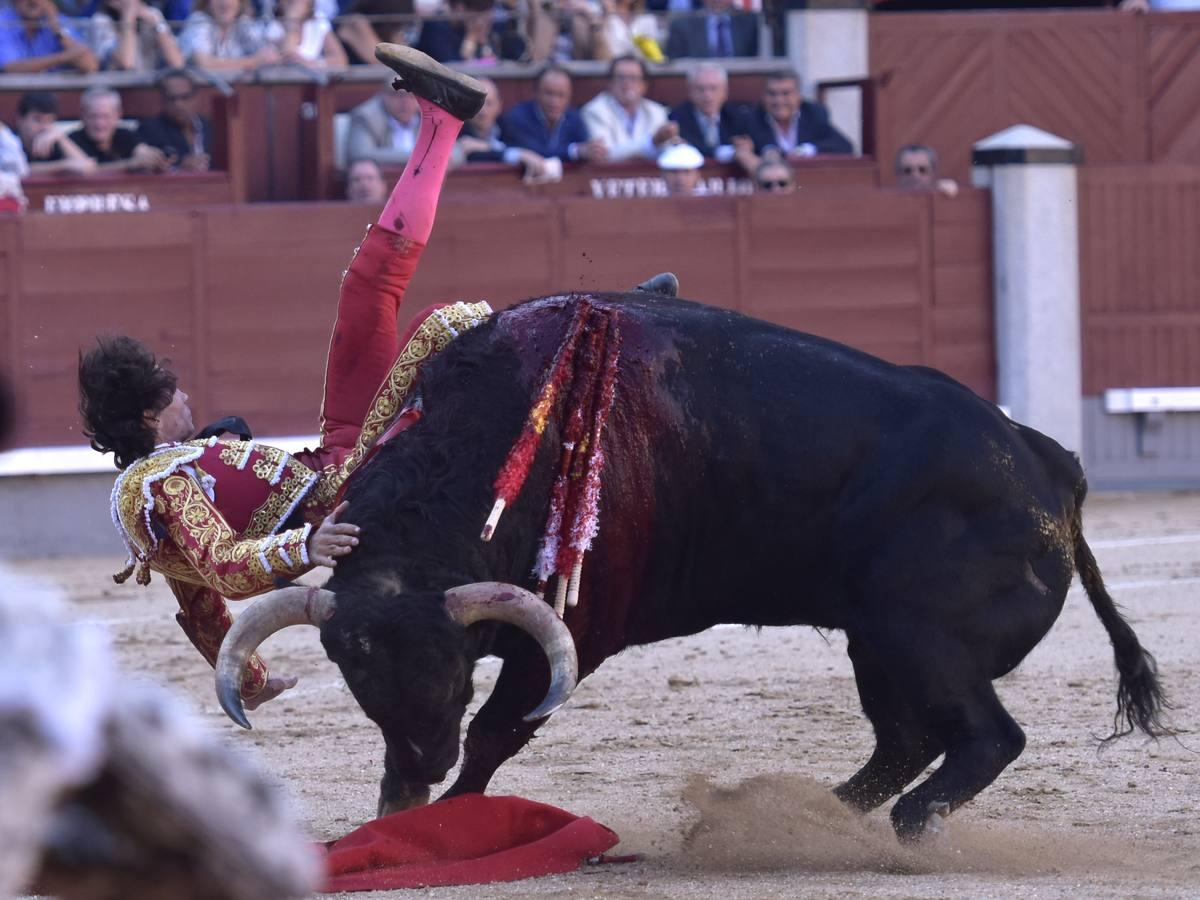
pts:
[278, 609]
[517, 606]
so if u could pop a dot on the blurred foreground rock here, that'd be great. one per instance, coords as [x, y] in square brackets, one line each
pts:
[109, 789]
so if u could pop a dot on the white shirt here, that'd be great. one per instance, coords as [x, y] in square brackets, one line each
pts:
[625, 135]
[404, 137]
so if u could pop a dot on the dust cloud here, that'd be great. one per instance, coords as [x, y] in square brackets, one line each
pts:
[776, 822]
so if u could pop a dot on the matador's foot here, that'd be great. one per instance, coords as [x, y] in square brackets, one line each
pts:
[456, 93]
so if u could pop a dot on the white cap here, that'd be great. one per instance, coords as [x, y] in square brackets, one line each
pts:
[680, 156]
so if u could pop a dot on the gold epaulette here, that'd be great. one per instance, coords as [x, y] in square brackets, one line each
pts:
[132, 502]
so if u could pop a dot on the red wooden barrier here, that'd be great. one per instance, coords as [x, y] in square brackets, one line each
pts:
[241, 298]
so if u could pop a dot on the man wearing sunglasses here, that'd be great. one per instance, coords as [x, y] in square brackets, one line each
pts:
[774, 176]
[179, 130]
[916, 170]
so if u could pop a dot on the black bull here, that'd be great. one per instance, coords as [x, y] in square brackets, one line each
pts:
[754, 475]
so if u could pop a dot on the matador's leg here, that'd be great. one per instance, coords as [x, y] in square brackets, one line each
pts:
[364, 342]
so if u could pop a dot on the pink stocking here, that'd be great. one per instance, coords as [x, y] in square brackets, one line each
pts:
[411, 207]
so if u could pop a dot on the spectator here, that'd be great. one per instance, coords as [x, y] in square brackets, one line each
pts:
[548, 124]
[179, 131]
[792, 125]
[364, 183]
[629, 29]
[34, 39]
[916, 170]
[46, 144]
[623, 119]
[221, 35]
[384, 128]
[104, 140]
[719, 32]
[472, 34]
[774, 176]
[480, 140]
[680, 165]
[12, 197]
[370, 22]
[567, 29]
[706, 120]
[131, 36]
[308, 39]
[12, 155]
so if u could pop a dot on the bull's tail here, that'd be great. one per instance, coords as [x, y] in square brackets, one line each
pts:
[1140, 698]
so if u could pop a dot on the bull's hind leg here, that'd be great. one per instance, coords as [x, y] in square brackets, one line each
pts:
[904, 745]
[980, 738]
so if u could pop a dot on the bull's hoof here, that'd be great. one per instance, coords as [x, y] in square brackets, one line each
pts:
[913, 829]
[400, 804]
[935, 821]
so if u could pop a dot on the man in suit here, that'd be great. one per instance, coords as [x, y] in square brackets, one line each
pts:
[629, 125]
[720, 32]
[384, 128]
[548, 124]
[793, 126]
[706, 120]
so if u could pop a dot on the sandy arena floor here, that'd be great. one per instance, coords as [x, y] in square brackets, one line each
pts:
[734, 737]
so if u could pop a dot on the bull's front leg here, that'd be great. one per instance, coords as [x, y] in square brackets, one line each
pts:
[499, 730]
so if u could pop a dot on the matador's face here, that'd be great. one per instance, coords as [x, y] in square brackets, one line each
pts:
[174, 421]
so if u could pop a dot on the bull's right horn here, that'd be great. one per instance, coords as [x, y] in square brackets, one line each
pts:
[275, 611]
[517, 606]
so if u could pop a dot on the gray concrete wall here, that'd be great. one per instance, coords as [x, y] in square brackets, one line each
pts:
[58, 515]
[1128, 451]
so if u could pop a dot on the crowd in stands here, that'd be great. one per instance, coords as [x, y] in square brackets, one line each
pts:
[535, 137]
[620, 123]
[234, 35]
[177, 139]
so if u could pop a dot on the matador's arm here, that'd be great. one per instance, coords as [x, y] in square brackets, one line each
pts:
[233, 567]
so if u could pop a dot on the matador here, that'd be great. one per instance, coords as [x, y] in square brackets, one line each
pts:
[226, 519]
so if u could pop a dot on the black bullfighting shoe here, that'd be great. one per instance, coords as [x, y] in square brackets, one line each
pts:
[665, 284]
[456, 93]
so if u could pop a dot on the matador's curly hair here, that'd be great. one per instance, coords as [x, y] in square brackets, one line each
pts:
[118, 381]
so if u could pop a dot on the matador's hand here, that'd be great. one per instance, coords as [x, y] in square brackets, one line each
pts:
[275, 686]
[333, 539]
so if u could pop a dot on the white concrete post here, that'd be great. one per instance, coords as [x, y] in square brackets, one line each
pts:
[824, 44]
[1035, 257]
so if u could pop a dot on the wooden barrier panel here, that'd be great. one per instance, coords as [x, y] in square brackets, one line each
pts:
[948, 80]
[1172, 83]
[128, 192]
[1139, 276]
[242, 298]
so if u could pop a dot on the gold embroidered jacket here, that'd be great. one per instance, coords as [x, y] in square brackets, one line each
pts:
[210, 515]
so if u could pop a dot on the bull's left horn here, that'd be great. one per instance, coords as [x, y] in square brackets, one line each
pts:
[277, 610]
[517, 606]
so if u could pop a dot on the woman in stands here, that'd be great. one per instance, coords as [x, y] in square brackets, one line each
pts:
[133, 36]
[226, 518]
[308, 38]
[223, 35]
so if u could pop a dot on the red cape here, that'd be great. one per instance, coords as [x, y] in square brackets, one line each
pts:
[471, 839]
